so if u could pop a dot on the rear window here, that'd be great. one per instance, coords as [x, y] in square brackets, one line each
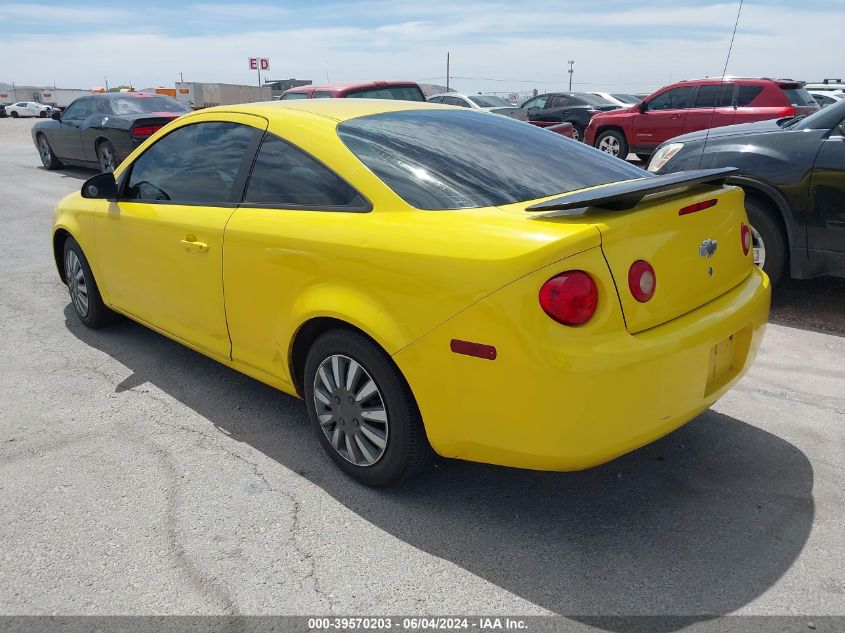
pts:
[144, 105]
[460, 159]
[799, 96]
[402, 93]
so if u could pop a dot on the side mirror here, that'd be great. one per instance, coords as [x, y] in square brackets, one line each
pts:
[56, 115]
[642, 106]
[102, 186]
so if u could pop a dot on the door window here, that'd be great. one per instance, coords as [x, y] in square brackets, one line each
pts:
[674, 99]
[78, 110]
[536, 102]
[560, 101]
[285, 176]
[714, 96]
[193, 164]
[746, 94]
[321, 94]
[455, 101]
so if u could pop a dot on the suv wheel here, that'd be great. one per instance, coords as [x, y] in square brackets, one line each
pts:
[613, 142]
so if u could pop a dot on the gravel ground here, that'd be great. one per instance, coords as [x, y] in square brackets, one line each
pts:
[137, 476]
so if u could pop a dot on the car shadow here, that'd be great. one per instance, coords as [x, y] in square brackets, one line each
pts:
[79, 173]
[698, 524]
[810, 304]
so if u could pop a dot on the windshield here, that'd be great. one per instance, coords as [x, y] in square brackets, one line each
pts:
[489, 101]
[626, 98]
[143, 105]
[403, 93]
[459, 159]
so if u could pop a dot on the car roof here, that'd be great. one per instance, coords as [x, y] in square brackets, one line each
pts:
[333, 109]
[350, 85]
[450, 94]
[749, 80]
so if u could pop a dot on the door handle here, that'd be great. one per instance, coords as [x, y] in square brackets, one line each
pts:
[192, 245]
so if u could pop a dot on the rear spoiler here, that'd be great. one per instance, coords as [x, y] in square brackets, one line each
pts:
[621, 196]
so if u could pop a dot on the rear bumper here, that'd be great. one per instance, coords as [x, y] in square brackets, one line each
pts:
[558, 398]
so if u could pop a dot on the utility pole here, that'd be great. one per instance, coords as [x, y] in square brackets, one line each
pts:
[447, 72]
[181, 78]
[106, 79]
[571, 70]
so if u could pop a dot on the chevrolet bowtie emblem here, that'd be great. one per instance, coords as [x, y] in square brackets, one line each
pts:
[707, 248]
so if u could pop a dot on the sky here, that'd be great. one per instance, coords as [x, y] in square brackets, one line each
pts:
[514, 46]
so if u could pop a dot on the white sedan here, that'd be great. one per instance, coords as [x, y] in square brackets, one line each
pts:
[28, 108]
[491, 103]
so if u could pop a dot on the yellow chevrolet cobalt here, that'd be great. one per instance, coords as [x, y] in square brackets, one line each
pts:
[428, 279]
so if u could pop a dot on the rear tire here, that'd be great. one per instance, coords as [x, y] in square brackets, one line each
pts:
[577, 131]
[768, 239]
[613, 142]
[84, 293]
[644, 157]
[48, 158]
[107, 157]
[377, 439]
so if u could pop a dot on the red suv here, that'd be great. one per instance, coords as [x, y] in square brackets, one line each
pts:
[403, 90]
[688, 106]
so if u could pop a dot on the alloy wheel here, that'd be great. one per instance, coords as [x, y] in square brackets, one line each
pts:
[76, 283]
[609, 145]
[107, 158]
[44, 151]
[351, 410]
[758, 247]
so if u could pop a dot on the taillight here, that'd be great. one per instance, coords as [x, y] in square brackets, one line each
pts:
[570, 298]
[145, 130]
[641, 280]
[786, 112]
[745, 236]
[698, 206]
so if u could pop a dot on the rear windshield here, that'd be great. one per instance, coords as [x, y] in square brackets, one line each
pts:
[143, 105]
[460, 159]
[489, 101]
[403, 93]
[799, 96]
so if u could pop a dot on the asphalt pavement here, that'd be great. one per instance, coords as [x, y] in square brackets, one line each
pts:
[137, 476]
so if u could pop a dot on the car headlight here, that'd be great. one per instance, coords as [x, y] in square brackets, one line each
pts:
[663, 156]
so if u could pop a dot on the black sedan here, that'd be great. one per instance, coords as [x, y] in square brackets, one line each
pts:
[101, 130]
[793, 174]
[576, 108]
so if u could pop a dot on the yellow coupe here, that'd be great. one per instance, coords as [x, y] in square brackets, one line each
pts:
[427, 277]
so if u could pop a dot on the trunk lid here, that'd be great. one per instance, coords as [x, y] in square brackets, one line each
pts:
[687, 275]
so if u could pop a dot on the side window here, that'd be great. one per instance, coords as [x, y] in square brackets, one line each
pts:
[455, 101]
[674, 99]
[294, 95]
[102, 106]
[537, 102]
[560, 101]
[435, 99]
[746, 94]
[196, 163]
[321, 94]
[285, 176]
[714, 96]
[77, 110]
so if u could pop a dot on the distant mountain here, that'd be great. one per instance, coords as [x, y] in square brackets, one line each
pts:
[4, 86]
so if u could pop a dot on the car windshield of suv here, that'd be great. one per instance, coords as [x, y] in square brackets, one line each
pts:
[403, 93]
[143, 105]
[489, 101]
[460, 159]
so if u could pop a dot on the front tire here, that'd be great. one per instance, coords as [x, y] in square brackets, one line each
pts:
[84, 293]
[107, 157]
[48, 158]
[768, 239]
[613, 142]
[363, 411]
[14, 115]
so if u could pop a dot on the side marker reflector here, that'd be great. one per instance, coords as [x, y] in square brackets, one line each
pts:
[487, 352]
[698, 206]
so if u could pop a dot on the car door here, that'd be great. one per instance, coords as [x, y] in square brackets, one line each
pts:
[713, 107]
[535, 106]
[277, 242]
[556, 108]
[826, 220]
[160, 246]
[66, 137]
[662, 117]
